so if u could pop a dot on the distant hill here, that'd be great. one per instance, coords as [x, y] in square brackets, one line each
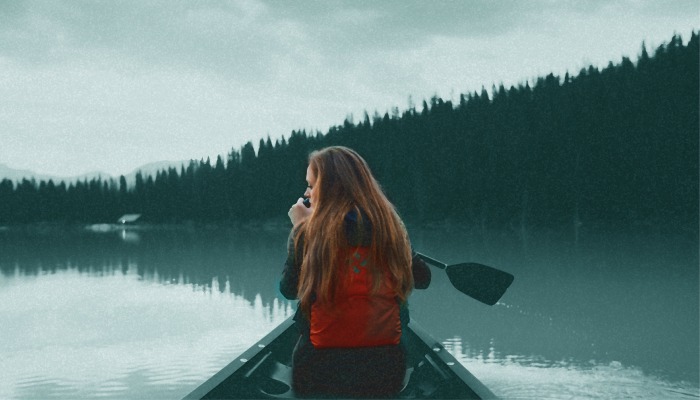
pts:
[152, 169]
[19, 174]
[16, 175]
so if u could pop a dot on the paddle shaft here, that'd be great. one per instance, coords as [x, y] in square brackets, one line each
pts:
[432, 261]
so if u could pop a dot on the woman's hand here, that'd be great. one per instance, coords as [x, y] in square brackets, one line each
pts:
[299, 212]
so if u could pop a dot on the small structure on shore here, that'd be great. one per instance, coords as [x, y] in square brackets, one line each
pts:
[128, 218]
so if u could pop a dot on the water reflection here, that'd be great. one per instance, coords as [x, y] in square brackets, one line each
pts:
[129, 236]
[70, 334]
[152, 313]
[249, 261]
[83, 317]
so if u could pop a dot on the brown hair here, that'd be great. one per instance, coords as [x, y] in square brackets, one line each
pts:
[345, 183]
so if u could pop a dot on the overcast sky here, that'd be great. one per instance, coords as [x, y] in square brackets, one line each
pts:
[111, 85]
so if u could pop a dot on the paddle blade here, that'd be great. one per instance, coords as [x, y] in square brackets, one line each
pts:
[479, 281]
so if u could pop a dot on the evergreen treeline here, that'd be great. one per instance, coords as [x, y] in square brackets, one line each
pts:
[617, 145]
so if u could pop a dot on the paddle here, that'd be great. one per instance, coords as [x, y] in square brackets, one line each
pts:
[483, 283]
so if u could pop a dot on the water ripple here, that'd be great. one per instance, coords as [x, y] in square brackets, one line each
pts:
[533, 377]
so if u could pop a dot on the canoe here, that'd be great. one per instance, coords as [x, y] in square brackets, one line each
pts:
[264, 370]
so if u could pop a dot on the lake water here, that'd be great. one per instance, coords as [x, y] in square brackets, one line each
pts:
[152, 313]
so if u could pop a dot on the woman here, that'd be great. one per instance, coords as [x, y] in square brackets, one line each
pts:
[350, 265]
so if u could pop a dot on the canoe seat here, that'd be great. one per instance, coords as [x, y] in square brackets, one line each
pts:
[277, 385]
[271, 379]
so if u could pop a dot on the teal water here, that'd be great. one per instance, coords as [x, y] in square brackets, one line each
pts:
[151, 313]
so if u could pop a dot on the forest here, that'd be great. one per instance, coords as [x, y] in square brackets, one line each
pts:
[617, 145]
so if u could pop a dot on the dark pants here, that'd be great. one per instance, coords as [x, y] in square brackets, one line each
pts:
[348, 372]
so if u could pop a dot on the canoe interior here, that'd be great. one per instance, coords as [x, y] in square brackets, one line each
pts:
[264, 370]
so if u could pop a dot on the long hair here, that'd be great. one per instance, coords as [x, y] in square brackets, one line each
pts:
[345, 183]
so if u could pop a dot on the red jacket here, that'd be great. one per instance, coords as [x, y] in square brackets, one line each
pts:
[358, 317]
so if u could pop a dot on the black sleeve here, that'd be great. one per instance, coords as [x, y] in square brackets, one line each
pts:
[290, 274]
[421, 273]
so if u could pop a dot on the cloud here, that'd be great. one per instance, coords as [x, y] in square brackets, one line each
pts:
[230, 37]
[116, 84]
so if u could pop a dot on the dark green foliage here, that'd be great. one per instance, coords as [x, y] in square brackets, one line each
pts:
[617, 145]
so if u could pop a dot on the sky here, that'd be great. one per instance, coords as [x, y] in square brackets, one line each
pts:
[109, 86]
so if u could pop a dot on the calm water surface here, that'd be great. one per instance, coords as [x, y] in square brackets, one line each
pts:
[153, 313]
